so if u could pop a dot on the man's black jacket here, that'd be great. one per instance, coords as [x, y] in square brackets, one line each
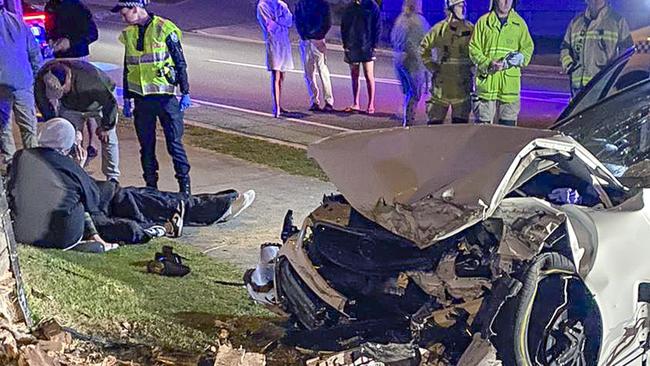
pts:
[313, 19]
[361, 25]
[71, 19]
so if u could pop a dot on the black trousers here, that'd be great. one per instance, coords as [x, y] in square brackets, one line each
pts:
[127, 211]
[167, 109]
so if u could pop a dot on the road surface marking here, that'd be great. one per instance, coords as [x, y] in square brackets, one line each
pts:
[263, 114]
[246, 134]
[299, 71]
[555, 97]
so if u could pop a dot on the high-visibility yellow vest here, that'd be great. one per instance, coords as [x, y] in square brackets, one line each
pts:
[149, 71]
[452, 70]
[492, 42]
[591, 44]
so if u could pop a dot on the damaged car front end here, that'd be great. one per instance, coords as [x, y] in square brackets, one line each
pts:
[468, 244]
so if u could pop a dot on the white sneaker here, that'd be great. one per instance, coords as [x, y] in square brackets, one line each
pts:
[156, 231]
[242, 202]
[174, 226]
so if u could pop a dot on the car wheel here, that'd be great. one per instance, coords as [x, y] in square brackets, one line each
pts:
[553, 320]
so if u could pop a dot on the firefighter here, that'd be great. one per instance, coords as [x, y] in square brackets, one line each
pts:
[500, 47]
[445, 54]
[592, 40]
[154, 65]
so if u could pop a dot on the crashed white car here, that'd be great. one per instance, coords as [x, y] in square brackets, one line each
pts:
[481, 244]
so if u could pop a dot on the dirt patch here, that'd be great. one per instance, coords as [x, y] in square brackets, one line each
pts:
[255, 334]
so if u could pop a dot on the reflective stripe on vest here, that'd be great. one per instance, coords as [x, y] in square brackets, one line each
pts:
[595, 35]
[147, 58]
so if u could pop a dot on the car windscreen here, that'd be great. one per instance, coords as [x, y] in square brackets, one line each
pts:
[616, 130]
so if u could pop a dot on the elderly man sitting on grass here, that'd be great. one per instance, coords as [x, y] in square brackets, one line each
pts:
[56, 204]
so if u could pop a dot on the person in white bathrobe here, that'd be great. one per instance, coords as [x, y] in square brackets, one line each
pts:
[275, 19]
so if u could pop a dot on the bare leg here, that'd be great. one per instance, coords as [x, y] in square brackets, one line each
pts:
[369, 73]
[354, 74]
[275, 91]
[280, 88]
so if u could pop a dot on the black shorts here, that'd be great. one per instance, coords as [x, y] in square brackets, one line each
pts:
[355, 56]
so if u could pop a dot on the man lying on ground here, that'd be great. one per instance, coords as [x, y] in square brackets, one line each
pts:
[56, 204]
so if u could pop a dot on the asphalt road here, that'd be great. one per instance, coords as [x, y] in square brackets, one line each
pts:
[232, 72]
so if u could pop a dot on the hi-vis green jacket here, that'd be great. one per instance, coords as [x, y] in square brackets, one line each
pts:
[492, 41]
[590, 44]
[148, 70]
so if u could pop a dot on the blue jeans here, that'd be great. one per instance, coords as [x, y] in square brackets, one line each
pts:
[21, 103]
[110, 150]
[127, 211]
[167, 109]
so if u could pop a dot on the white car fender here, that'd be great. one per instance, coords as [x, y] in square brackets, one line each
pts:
[612, 248]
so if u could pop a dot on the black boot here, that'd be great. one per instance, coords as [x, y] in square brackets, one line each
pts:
[151, 181]
[184, 187]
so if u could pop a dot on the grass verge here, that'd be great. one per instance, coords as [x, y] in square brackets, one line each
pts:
[289, 159]
[111, 295]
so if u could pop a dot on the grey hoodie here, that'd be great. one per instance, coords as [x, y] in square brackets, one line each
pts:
[20, 54]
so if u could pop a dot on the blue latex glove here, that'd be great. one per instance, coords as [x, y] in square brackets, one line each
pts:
[186, 102]
[563, 196]
[127, 110]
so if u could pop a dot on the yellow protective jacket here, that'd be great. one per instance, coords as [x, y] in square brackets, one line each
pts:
[150, 71]
[451, 68]
[492, 42]
[590, 44]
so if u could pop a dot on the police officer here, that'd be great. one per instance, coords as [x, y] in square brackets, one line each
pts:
[154, 65]
[592, 40]
[445, 54]
[500, 46]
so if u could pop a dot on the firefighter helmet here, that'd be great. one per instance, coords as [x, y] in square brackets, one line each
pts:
[451, 3]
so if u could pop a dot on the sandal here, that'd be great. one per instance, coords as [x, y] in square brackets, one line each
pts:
[351, 109]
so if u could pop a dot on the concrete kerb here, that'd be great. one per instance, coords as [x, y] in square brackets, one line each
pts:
[242, 134]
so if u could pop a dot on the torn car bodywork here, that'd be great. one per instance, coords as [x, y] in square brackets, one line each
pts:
[450, 238]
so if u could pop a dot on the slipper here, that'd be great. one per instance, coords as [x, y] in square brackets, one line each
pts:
[370, 111]
[351, 110]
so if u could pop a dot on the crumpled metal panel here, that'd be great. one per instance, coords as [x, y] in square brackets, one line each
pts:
[528, 222]
[335, 213]
[445, 281]
[423, 182]
[480, 352]
[294, 252]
